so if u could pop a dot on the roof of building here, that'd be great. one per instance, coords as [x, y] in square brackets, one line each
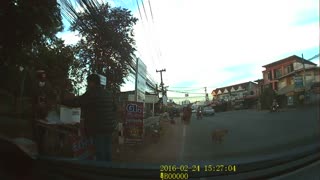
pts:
[290, 58]
[235, 86]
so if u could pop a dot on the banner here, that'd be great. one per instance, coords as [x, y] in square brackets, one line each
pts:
[83, 148]
[133, 124]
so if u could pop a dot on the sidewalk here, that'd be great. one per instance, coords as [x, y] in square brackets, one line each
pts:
[166, 150]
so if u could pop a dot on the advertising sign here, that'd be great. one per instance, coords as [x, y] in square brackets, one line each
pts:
[83, 148]
[133, 125]
[141, 77]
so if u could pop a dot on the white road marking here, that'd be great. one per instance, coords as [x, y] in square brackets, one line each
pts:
[184, 133]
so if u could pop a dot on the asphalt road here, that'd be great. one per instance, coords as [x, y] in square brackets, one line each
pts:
[250, 133]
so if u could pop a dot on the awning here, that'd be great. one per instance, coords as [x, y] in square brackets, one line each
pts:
[286, 89]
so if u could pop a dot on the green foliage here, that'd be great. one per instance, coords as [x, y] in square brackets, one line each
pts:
[107, 45]
[25, 25]
[27, 39]
[57, 60]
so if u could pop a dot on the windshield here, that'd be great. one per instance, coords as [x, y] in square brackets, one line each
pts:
[122, 81]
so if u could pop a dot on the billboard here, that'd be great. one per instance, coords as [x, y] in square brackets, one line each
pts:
[133, 124]
[141, 76]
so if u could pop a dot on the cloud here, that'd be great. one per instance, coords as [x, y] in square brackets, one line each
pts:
[69, 38]
[201, 41]
[204, 42]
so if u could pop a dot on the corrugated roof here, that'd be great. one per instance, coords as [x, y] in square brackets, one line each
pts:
[290, 58]
[235, 86]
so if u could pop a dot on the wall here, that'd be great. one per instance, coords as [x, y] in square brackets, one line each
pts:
[282, 83]
[298, 65]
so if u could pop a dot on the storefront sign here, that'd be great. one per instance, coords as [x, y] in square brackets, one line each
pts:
[133, 126]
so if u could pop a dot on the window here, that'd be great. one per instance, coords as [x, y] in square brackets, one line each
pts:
[269, 75]
[278, 73]
[289, 68]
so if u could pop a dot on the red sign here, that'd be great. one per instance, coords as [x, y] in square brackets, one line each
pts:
[133, 125]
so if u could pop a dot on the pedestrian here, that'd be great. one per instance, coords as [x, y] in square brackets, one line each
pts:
[43, 97]
[99, 112]
[42, 102]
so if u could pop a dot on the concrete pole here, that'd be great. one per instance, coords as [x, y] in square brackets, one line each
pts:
[153, 109]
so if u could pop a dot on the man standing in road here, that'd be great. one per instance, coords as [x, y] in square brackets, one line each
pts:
[99, 116]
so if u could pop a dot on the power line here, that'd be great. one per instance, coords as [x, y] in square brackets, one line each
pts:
[139, 12]
[151, 10]
[144, 10]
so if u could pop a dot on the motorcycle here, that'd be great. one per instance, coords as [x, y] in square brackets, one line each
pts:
[199, 114]
[275, 108]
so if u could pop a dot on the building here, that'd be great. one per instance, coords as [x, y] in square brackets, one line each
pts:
[260, 86]
[280, 68]
[290, 77]
[240, 91]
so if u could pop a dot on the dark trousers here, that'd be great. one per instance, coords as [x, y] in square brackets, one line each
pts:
[103, 145]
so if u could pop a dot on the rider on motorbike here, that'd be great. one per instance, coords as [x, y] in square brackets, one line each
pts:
[275, 105]
[199, 113]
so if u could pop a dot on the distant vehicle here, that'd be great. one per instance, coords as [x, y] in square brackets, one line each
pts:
[208, 111]
[194, 110]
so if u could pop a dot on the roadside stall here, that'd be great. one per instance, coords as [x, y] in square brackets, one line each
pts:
[57, 128]
[60, 134]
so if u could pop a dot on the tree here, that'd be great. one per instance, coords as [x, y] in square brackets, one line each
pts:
[58, 61]
[107, 44]
[25, 25]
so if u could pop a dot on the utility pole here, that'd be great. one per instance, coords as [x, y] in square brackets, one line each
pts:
[304, 73]
[206, 94]
[162, 85]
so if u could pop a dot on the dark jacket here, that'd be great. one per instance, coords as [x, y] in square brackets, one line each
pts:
[98, 109]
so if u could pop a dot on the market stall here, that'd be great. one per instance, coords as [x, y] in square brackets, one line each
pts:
[60, 134]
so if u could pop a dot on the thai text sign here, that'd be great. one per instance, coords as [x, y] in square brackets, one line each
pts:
[133, 125]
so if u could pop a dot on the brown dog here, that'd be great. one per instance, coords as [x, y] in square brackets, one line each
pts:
[218, 135]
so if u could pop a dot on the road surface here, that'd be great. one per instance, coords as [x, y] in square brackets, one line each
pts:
[250, 133]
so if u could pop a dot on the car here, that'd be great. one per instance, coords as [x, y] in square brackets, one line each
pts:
[194, 110]
[208, 111]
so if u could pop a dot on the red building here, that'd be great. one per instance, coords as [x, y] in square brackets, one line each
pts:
[282, 67]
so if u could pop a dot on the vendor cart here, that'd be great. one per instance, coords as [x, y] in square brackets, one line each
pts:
[63, 139]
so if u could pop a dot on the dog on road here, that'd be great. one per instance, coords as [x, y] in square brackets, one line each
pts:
[218, 135]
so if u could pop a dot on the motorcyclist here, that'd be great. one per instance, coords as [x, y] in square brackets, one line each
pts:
[199, 112]
[187, 112]
[275, 105]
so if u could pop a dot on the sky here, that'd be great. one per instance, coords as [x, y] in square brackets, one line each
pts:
[211, 43]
